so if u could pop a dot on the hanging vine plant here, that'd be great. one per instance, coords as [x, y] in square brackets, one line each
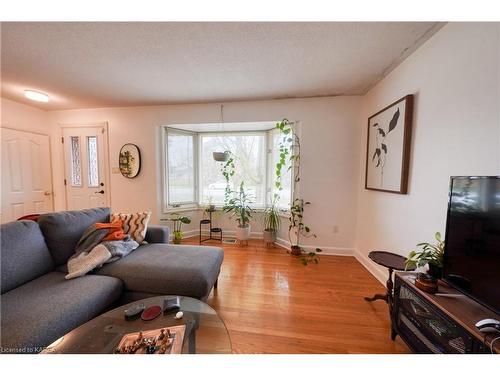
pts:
[228, 171]
[289, 152]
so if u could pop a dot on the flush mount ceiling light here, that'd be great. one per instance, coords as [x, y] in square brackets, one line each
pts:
[36, 96]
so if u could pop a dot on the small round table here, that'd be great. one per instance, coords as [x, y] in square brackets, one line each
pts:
[392, 262]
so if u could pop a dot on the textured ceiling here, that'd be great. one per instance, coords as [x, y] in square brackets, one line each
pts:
[90, 64]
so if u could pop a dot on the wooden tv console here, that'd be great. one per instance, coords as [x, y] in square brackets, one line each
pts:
[430, 323]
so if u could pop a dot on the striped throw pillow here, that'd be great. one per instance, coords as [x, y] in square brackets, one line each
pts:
[134, 224]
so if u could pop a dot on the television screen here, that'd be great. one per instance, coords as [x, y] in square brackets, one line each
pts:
[472, 242]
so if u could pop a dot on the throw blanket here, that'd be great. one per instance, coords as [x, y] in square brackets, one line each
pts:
[100, 243]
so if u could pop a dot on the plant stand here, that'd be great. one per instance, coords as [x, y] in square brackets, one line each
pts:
[211, 230]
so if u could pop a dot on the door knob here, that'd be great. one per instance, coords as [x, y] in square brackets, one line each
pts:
[47, 193]
[99, 192]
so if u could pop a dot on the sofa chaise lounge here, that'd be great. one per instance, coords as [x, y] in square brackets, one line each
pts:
[38, 305]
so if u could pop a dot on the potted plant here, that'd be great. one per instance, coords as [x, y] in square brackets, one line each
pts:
[210, 205]
[272, 223]
[239, 207]
[297, 229]
[177, 221]
[289, 148]
[221, 156]
[431, 254]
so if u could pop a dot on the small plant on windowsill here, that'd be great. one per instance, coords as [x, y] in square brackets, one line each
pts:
[177, 221]
[289, 152]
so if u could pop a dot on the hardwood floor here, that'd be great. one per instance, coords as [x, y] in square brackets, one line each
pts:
[271, 303]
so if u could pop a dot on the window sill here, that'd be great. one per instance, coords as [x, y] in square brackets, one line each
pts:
[284, 214]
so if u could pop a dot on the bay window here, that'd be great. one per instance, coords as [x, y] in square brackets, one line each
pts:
[192, 178]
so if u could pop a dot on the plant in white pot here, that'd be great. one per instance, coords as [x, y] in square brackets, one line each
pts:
[272, 223]
[239, 206]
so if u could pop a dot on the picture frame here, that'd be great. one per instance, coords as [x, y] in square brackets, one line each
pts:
[388, 147]
[129, 160]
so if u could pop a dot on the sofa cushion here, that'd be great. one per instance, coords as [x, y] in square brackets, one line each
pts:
[157, 234]
[62, 230]
[39, 312]
[168, 269]
[24, 255]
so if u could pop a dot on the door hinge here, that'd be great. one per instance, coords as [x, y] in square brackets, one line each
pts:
[64, 182]
[103, 130]
[62, 139]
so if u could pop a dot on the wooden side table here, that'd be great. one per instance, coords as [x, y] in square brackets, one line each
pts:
[392, 262]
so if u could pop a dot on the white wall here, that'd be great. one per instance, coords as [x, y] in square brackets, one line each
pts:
[456, 131]
[19, 116]
[330, 155]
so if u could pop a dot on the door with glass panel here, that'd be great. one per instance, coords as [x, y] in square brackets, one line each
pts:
[85, 161]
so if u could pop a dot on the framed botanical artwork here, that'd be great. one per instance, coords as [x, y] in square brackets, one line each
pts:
[388, 147]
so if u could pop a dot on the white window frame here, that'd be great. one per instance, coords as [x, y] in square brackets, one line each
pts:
[197, 139]
[233, 133]
[167, 207]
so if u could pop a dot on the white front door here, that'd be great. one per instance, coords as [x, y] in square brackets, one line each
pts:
[85, 160]
[26, 174]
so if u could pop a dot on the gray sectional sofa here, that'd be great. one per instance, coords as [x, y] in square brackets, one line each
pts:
[38, 305]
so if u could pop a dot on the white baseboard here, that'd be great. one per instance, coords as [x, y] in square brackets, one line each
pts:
[325, 250]
[366, 262]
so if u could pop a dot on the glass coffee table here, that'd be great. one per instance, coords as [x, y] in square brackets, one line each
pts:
[205, 332]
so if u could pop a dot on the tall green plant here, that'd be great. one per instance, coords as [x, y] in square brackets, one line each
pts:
[239, 206]
[289, 152]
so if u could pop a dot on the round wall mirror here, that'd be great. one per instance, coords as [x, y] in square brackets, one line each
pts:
[130, 160]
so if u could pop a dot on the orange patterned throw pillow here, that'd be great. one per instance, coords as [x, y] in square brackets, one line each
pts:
[134, 224]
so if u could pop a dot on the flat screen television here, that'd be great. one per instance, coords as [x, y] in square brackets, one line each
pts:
[472, 241]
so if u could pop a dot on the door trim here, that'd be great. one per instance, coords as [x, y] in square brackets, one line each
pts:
[104, 124]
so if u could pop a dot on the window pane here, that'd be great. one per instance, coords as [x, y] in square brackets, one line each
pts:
[285, 194]
[248, 151]
[93, 162]
[180, 168]
[76, 163]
